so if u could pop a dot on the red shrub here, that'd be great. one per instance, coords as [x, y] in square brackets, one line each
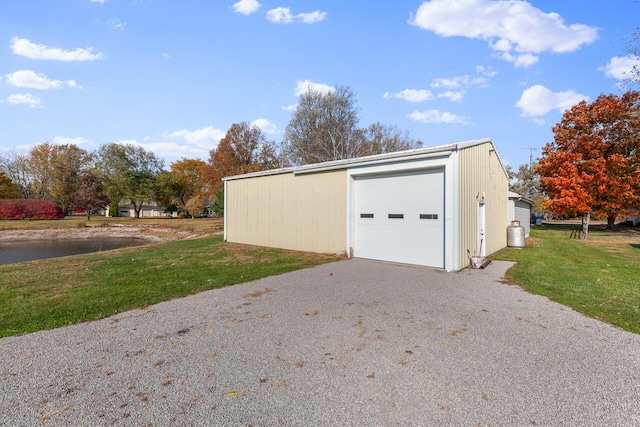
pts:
[29, 209]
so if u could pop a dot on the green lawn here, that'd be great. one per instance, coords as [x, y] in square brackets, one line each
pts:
[51, 293]
[599, 277]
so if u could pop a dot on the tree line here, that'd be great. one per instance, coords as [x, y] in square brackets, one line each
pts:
[591, 168]
[324, 127]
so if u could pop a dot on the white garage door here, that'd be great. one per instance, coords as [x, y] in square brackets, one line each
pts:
[400, 217]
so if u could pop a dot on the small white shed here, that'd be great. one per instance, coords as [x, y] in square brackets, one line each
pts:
[519, 209]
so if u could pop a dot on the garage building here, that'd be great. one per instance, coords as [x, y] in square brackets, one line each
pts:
[431, 206]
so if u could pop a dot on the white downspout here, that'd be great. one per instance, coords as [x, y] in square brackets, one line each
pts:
[224, 216]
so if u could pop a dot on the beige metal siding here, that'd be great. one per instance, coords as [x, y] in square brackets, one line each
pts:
[481, 171]
[300, 212]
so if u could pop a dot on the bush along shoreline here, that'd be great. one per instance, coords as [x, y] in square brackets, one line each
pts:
[16, 209]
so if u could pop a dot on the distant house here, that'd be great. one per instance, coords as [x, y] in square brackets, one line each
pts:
[519, 209]
[151, 210]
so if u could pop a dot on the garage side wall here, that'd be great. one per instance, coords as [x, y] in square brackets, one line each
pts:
[482, 172]
[298, 212]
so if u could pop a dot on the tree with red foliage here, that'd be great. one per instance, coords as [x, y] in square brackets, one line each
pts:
[593, 164]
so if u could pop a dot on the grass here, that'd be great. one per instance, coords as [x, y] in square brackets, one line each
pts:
[599, 277]
[50, 293]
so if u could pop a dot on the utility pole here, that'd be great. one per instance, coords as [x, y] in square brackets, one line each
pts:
[531, 149]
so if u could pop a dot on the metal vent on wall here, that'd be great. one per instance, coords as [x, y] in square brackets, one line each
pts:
[428, 216]
[366, 215]
[396, 216]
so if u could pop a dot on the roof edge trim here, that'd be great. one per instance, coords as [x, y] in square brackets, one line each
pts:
[361, 161]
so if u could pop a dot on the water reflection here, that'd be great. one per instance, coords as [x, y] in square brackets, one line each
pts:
[29, 250]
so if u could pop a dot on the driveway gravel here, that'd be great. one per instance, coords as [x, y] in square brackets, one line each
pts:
[353, 343]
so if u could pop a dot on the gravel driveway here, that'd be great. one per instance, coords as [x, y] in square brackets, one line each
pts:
[351, 343]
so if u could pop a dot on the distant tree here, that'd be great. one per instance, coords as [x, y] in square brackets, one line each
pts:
[15, 167]
[68, 163]
[379, 139]
[526, 182]
[47, 172]
[244, 149]
[593, 164]
[40, 170]
[218, 203]
[324, 127]
[111, 167]
[89, 194]
[195, 205]
[8, 189]
[128, 173]
[183, 182]
[633, 50]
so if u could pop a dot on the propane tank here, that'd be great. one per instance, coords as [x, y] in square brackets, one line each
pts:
[515, 235]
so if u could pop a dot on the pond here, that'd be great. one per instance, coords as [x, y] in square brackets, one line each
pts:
[29, 250]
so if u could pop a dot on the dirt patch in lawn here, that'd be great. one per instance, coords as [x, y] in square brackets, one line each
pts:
[145, 232]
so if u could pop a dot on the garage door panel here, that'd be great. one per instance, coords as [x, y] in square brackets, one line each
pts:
[416, 237]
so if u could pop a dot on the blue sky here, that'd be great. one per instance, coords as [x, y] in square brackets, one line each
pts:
[172, 76]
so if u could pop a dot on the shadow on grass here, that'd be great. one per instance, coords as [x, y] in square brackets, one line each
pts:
[596, 228]
[557, 226]
[635, 245]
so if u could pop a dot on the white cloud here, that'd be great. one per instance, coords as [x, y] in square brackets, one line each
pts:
[508, 26]
[283, 15]
[291, 107]
[437, 116]
[172, 151]
[246, 7]
[65, 140]
[117, 24]
[98, 1]
[620, 67]
[24, 98]
[280, 15]
[312, 17]
[411, 95]
[538, 100]
[519, 61]
[24, 47]
[265, 126]
[165, 55]
[461, 81]
[207, 137]
[32, 80]
[452, 95]
[486, 71]
[303, 85]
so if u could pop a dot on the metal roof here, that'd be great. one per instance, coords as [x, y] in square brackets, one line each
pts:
[376, 158]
